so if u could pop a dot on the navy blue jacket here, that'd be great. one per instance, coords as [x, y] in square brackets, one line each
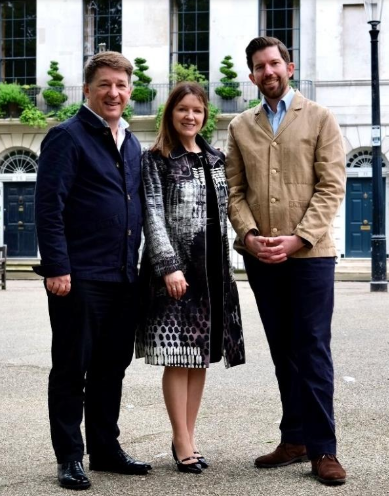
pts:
[87, 206]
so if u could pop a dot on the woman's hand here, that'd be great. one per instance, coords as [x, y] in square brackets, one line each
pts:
[176, 284]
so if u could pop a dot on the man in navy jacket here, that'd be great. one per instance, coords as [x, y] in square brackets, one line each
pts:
[89, 219]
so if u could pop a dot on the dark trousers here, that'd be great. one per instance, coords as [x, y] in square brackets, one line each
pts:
[93, 331]
[295, 301]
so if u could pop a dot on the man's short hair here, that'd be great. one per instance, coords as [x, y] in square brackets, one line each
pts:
[114, 60]
[261, 43]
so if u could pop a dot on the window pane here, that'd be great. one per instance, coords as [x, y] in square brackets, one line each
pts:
[103, 24]
[203, 22]
[203, 42]
[189, 22]
[190, 43]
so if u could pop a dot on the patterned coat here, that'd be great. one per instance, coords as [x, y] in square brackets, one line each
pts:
[177, 332]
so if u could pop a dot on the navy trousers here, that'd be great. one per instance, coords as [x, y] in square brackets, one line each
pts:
[295, 300]
[93, 330]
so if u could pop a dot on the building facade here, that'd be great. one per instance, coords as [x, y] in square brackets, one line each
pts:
[328, 41]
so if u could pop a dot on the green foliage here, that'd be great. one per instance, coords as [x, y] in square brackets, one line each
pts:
[33, 117]
[158, 117]
[141, 92]
[12, 94]
[56, 77]
[208, 129]
[229, 90]
[54, 96]
[183, 72]
[127, 113]
[253, 103]
[65, 113]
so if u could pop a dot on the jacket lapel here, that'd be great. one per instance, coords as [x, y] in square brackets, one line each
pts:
[263, 122]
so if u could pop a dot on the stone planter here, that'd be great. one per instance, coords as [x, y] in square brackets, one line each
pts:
[142, 108]
[229, 106]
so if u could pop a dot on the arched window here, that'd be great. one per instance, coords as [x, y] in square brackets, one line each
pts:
[102, 24]
[281, 19]
[19, 162]
[18, 41]
[361, 158]
[190, 33]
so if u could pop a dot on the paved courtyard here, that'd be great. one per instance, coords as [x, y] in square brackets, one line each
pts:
[239, 416]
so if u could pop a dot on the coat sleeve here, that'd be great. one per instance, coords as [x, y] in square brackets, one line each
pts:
[56, 174]
[239, 212]
[330, 187]
[162, 256]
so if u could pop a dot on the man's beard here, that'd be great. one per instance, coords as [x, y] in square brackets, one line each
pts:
[277, 91]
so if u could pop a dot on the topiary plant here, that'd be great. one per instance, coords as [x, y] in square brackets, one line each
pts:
[141, 92]
[54, 96]
[229, 90]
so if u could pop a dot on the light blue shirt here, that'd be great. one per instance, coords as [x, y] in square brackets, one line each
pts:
[275, 118]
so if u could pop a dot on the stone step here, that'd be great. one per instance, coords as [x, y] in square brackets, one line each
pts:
[347, 269]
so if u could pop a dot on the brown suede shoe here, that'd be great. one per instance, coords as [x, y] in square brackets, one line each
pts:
[328, 470]
[284, 454]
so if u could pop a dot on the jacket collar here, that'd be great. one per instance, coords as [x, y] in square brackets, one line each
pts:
[263, 121]
[91, 119]
[212, 155]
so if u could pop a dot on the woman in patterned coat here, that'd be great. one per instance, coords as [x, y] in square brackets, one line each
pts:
[192, 315]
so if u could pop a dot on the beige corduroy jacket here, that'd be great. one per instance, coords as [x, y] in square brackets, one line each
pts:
[288, 183]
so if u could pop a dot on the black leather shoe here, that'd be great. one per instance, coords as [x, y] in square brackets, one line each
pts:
[118, 462]
[202, 461]
[71, 475]
[189, 468]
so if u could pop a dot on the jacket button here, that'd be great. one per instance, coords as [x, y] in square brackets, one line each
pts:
[122, 268]
[273, 200]
[118, 165]
[274, 230]
[128, 197]
[274, 143]
[129, 232]
[274, 171]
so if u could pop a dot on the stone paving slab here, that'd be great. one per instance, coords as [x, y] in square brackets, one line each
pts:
[239, 416]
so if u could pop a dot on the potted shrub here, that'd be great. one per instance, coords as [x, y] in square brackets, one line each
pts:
[13, 100]
[32, 91]
[229, 91]
[142, 94]
[54, 96]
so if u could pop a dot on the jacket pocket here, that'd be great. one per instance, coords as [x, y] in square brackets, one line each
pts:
[297, 209]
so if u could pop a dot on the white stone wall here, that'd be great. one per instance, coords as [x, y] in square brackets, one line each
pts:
[232, 26]
[60, 38]
[146, 34]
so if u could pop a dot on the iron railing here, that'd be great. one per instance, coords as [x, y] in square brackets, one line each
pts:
[249, 92]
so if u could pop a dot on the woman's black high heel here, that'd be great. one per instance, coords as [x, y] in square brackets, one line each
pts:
[190, 468]
[202, 461]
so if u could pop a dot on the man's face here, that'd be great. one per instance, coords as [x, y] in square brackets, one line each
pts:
[108, 93]
[271, 73]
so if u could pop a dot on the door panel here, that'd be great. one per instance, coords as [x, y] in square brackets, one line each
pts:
[19, 225]
[359, 217]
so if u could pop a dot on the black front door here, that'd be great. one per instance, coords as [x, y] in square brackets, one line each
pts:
[19, 225]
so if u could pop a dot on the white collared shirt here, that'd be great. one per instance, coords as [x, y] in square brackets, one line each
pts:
[122, 126]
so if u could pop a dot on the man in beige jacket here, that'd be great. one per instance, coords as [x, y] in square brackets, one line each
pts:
[286, 173]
